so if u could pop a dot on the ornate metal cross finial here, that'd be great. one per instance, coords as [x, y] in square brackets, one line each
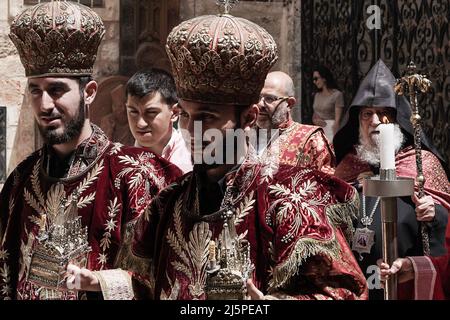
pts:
[411, 84]
[411, 69]
[227, 5]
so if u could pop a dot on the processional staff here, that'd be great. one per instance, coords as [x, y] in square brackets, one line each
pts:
[388, 186]
[411, 84]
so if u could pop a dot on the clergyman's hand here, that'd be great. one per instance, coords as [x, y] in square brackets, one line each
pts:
[401, 266]
[363, 175]
[81, 279]
[253, 292]
[425, 210]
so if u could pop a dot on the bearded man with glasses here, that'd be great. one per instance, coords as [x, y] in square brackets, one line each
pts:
[278, 135]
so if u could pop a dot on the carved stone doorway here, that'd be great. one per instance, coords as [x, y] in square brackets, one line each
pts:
[144, 26]
[108, 110]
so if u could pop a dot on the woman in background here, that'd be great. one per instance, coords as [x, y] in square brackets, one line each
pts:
[328, 102]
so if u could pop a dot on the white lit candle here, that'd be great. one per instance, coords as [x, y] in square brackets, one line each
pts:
[387, 152]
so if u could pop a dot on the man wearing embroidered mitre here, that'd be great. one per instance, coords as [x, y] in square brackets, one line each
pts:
[233, 222]
[358, 156]
[74, 197]
[295, 143]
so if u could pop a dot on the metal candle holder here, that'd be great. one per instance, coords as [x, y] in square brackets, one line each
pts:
[388, 187]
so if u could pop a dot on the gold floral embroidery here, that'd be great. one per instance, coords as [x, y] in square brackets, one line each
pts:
[32, 202]
[35, 220]
[90, 178]
[51, 205]
[5, 275]
[35, 182]
[193, 254]
[116, 147]
[297, 200]
[174, 290]
[11, 205]
[110, 226]
[271, 252]
[336, 215]
[85, 201]
[269, 161]
[25, 250]
[291, 202]
[5, 289]
[284, 144]
[140, 169]
[3, 254]
[244, 208]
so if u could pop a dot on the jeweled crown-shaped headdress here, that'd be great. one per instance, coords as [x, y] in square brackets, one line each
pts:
[220, 59]
[57, 38]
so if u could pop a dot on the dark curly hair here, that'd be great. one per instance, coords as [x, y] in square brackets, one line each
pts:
[327, 75]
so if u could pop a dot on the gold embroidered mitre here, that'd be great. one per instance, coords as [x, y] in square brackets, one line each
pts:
[57, 38]
[220, 59]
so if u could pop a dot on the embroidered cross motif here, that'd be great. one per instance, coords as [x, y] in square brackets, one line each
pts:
[227, 5]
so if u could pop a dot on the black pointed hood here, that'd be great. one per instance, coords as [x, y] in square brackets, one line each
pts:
[376, 90]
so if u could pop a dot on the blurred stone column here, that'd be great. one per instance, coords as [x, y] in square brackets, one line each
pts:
[13, 84]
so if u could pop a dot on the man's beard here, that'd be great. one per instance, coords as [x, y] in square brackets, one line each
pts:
[280, 116]
[72, 128]
[275, 119]
[370, 153]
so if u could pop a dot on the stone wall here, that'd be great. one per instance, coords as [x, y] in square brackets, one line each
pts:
[12, 82]
[21, 134]
[107, 63]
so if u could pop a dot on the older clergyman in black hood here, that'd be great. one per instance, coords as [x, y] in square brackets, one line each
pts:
[357, 154]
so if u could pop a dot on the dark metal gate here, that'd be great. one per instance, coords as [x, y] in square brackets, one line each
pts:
[334, 33]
